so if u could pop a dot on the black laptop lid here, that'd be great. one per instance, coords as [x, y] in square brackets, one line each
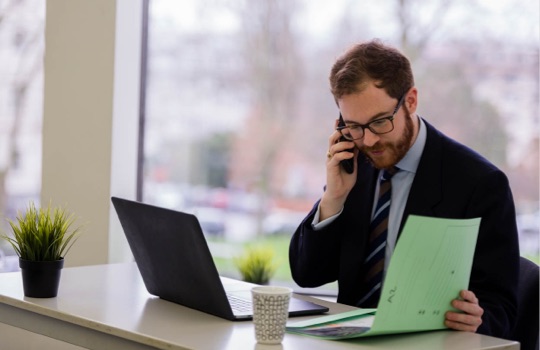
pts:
[173, 257]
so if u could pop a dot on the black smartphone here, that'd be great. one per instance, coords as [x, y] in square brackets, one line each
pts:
[347, 164]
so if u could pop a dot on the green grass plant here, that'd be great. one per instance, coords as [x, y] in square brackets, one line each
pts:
[257, 264]
[279, 244]
[43, 234]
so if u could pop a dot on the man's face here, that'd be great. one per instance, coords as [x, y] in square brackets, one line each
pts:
[383, 150]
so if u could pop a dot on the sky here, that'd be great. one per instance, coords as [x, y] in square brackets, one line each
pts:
[463, 19]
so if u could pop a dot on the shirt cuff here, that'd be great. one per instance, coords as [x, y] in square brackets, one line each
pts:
[316, 225]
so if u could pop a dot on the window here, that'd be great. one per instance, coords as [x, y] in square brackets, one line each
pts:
[21, 93]
[239, 109]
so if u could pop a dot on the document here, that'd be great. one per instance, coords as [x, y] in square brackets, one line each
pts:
[431, 264]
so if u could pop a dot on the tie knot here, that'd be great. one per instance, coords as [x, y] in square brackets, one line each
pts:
[388, 173]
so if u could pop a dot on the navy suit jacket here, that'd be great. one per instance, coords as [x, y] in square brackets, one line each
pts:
[451, 181]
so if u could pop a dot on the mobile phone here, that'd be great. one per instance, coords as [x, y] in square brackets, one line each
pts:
[347, 164]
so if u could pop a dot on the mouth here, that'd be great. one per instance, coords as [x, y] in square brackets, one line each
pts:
[375, 152]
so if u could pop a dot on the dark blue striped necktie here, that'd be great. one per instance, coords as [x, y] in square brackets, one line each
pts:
[374, 263]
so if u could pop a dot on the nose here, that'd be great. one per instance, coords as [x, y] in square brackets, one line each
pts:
[370, 138]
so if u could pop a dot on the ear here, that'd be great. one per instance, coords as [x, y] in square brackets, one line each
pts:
[411, 100]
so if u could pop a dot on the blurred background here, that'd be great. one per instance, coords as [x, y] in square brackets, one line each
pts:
[238, 109]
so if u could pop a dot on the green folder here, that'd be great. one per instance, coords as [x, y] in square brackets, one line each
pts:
[431, 264]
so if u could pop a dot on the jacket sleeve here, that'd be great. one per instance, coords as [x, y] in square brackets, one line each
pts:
[314, 255]
[495, 270]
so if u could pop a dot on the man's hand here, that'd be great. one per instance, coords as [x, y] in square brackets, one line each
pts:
[471, 318]
[338, 182]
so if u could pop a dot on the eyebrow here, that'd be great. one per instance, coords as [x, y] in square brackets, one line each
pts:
[375, 117]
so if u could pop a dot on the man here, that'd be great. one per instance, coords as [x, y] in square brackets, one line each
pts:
[373, 86]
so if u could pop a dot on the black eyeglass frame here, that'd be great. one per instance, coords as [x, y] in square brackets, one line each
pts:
[368, 125]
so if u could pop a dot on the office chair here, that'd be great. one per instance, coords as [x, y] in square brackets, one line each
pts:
[526, 328]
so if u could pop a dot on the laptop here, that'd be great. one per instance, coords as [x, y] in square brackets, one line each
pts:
[175, 263]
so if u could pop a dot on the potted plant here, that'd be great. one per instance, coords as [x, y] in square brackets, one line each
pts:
[257, 265]
[41, 239]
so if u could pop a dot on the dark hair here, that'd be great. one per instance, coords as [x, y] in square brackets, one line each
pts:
[374, 62]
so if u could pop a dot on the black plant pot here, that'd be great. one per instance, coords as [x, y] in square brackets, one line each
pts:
[41, 278]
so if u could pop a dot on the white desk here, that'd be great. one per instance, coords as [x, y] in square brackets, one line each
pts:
[108, 307]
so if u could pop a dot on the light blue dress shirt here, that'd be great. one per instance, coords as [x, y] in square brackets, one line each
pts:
[401, 186]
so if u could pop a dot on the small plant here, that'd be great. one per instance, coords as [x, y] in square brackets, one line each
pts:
[42, 234]
[257, 265]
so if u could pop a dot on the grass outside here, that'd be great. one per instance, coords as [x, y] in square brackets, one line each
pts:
[534, 258]
[224, 260]
[224, 253]
[280, 245]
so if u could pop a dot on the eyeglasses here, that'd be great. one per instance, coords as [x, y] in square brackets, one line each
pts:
[378, 126]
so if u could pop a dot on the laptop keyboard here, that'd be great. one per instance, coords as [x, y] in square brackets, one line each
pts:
[239, 304]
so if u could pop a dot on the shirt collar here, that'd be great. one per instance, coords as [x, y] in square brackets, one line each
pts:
[412, 158]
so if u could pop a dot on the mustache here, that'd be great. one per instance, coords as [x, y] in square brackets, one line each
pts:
[376, 147]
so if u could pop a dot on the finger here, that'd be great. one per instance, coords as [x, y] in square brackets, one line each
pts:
[329, 156]
[469, 296]
[333, 139]
[460, 326]
[345, 145]
[337, 157]
[337, 146]
[468, 307]
[458, 317]
[462, 322]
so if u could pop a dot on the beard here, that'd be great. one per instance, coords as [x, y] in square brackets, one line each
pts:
[395, 150]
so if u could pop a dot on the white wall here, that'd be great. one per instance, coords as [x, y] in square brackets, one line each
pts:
[91, 93]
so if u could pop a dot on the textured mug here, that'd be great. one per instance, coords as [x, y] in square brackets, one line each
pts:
[270, 313]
